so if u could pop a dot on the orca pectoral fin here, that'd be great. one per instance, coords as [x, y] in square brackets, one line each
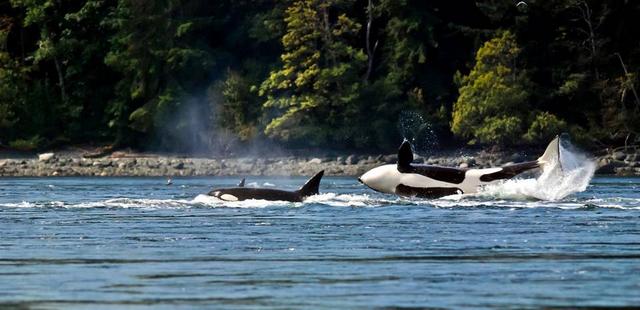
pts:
[405, 155]
[241, 184]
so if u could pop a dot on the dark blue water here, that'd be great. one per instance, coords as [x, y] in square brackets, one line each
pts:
[136, 243]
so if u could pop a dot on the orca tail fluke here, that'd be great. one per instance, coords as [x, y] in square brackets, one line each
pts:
[311, 187]
[551, 157]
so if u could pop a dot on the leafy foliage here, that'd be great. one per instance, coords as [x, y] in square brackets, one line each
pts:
[320, 75]
[240, 107]
[175, 74]
[493, 100]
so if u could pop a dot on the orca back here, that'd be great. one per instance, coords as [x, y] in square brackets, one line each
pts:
[245, 193]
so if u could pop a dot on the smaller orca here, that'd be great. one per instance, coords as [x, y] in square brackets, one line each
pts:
[426, 181]
[243, 193]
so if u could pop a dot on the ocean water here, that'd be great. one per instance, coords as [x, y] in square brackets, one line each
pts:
[136, 243]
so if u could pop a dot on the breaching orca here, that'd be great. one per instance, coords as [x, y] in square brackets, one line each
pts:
[243, 193]
[426, 181]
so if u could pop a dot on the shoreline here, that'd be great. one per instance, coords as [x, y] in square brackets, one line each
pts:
[145, 165]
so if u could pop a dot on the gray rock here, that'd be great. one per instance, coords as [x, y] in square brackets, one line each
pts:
[179, 166]
[315, 161]
[340, 160]
[517, 157]
[418, 159]
[631, 157]
[625, 171]
[46, 157]
[102, 163]
[352, 160]
[390, 159]
[619, 155]
[469, 161]
[246, 161]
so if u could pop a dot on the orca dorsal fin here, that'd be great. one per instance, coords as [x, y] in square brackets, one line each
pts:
[312, 185]
[405, 154]
[241, 184]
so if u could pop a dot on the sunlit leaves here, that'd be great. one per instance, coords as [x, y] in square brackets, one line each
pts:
[493, 98]
[318, 83]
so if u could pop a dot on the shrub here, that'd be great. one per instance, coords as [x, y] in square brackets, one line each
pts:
[544, 127]
[30, 144]
[493, 101]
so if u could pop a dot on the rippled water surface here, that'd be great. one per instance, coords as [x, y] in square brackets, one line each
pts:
[95, 243]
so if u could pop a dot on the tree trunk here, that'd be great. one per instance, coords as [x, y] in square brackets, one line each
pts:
[587, 16]
[370, 52]
[63, 91]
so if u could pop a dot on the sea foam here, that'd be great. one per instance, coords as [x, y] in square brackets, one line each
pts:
[558, 180]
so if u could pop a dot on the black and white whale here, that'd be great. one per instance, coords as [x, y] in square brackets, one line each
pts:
[240, 192]
[426, 181]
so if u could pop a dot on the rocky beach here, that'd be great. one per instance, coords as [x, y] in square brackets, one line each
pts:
[615, 162]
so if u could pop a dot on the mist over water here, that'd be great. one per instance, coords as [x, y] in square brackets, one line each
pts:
[195, 130]
[415, 129]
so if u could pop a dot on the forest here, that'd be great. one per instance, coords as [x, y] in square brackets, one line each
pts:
[194, 75]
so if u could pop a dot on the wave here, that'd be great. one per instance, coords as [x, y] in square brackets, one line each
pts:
[329, 200]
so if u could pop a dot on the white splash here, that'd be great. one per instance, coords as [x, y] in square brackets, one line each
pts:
[351, 200]
[558, 180]
[210, 201]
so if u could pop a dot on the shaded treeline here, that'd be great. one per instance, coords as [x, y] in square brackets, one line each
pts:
[192, 75]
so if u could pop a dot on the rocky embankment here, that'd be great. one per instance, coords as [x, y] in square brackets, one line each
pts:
[623, 162]
[122, 164]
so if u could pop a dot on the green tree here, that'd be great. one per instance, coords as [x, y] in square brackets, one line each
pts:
[493, 98]
[239, 108]
[10, 81]
[404, 79]
[58, 48]
[160, 62]
[408, 35]
[492, 105]
[315, 92]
